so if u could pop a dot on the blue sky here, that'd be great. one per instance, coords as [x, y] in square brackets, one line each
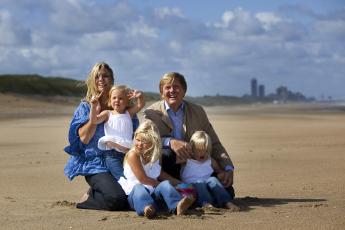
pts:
[218, 45]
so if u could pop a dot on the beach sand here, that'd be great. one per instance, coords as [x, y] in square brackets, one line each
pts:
[289, 160]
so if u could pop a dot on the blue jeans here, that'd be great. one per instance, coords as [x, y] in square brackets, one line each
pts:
[140, 197]
[114, 162]
[211, 191]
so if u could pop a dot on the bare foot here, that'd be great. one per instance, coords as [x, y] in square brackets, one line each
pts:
[232, 207]
[149, 211]
[208, 205]
[184, 204]
[85, 196]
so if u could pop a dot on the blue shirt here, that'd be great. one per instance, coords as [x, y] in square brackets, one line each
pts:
[86, 159]
[176, 119]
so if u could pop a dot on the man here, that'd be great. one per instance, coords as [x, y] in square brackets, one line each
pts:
[177, 120]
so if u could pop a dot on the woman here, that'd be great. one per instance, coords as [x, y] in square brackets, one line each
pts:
[86, 159]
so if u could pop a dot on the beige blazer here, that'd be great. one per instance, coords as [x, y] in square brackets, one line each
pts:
[195, 119]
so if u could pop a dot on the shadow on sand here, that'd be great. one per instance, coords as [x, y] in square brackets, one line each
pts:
[249, 203]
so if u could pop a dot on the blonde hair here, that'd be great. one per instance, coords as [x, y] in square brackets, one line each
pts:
[201, 141]
[150, 134]
[123, 88]
[91, 79]
[169, 78]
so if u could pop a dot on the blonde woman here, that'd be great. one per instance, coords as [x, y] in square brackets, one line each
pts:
[85, 158]
[144, 182]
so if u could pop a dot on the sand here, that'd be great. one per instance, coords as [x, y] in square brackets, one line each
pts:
[289, 159]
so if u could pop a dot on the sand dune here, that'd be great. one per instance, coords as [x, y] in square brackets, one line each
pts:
[290, 171]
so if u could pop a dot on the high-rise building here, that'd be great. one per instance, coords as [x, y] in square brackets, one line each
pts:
[254, 88]
[261, 91]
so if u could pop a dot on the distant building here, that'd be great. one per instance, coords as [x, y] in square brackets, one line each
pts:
[261, 91]
[254, 88]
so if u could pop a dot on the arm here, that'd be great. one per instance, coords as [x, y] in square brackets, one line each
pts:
[216, 167]
[134, 162]
[111, 144]
[140, 102]
[166, 176]
[87, 131]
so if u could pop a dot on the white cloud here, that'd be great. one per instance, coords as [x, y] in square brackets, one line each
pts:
[68, 37]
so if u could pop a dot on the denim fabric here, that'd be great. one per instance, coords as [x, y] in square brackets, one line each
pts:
[212, 191]
[85, 159]
[140, 197]
[114, 163]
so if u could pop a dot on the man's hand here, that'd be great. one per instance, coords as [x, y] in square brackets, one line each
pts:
[226, 178]
[182, 149]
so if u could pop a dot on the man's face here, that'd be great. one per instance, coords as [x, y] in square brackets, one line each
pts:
[173, 93]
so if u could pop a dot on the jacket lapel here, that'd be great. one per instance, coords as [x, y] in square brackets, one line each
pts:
[165, 116]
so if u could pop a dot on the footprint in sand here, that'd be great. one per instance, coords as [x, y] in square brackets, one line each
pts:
[64, 203]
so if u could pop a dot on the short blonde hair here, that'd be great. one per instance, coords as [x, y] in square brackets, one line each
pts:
[201, 141]
[169, 78]
[91, 79]
[123, 88]
[150, 134]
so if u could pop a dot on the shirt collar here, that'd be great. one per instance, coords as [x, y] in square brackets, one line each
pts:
[167, 107]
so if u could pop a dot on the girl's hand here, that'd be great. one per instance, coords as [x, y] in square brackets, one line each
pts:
[135, 94]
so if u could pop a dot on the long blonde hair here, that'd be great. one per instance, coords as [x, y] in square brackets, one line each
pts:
[91, 79]
[150, 134]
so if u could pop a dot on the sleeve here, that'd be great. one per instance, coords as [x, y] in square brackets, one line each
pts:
[80, 117]
[219, 153]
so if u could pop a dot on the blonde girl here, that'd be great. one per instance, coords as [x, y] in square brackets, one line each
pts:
[118, 125]
[198, 171]
[144, 182]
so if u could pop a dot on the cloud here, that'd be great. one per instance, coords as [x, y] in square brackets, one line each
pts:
[293, 46]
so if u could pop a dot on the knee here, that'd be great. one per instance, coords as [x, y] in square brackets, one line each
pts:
[213, 181]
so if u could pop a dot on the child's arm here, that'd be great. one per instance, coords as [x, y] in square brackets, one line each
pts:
[166, 176]
[134, 162]
[111, 144]
[140, 102]
[216, 167]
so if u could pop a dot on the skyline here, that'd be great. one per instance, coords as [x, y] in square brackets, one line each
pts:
[217, 46]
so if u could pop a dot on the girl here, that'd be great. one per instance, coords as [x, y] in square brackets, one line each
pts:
[142, 176]
[198, 171]
[118, 127]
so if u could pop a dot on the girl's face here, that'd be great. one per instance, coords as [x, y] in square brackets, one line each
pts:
[103, 81]
[119, 100]
[200, 155]
[141, 144]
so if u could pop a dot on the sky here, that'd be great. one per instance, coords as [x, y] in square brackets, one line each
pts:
[218, 45]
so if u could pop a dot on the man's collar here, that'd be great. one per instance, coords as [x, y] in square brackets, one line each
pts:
[167, 107]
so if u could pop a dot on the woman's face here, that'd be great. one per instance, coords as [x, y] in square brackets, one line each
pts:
[119, 100]
[103, 80]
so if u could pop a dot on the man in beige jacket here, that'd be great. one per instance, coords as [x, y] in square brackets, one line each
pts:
[177, 120]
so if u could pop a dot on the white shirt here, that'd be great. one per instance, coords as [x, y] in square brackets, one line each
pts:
[118, 129]
[130, 180]
[195, 171]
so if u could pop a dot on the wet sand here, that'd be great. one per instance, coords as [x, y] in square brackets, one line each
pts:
[289, 161]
